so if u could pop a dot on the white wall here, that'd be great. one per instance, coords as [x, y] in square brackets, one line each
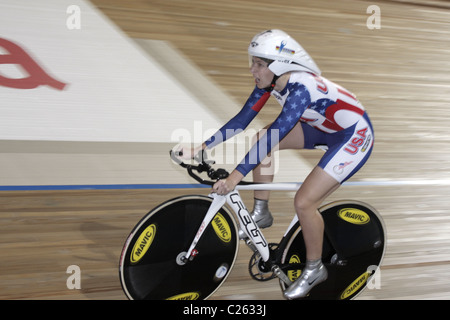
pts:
[114, 91]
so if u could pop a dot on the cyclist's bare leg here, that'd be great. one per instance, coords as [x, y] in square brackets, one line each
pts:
[316, 187]
[314, 190]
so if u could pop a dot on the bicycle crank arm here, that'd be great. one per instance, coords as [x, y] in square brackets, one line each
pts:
[281, 275]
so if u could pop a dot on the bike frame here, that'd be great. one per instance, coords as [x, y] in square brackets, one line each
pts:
[246, 222]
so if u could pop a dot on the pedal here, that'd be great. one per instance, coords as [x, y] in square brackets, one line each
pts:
[336, 260]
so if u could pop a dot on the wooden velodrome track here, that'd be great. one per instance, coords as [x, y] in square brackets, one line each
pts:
[400, 72]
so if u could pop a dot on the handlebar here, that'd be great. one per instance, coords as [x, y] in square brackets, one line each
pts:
[204, 165]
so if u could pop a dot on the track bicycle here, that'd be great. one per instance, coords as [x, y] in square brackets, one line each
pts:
[185, 248]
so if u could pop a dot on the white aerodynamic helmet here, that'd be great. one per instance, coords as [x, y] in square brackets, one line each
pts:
[286, 53]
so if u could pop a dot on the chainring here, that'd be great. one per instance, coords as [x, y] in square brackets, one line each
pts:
[257, 267]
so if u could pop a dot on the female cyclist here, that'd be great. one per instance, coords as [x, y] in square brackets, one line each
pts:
[315, 112]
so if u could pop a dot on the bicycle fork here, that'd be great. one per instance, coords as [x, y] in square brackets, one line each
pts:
[217, 203]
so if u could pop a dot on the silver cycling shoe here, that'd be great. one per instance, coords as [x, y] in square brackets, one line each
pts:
[261, 214]
[313, 274]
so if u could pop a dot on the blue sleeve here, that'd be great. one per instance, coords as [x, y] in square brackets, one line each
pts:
[296, 103]
[240, 121]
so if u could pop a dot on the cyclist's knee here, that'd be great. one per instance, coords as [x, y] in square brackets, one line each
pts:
[304, 206]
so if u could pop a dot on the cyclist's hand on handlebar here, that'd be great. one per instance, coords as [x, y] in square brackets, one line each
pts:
[227, 185]
[223, 187]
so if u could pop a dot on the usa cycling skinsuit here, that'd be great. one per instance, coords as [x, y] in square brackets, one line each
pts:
[330, 116]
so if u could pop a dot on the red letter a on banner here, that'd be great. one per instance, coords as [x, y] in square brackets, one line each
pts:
[37, 75]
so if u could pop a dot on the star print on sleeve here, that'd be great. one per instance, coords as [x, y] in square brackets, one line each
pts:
[296, 103]
[240, 121]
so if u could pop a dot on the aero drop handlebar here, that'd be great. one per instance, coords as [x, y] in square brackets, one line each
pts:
[204, 165]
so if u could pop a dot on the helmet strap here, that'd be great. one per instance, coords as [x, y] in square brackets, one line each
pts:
[272, 85]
